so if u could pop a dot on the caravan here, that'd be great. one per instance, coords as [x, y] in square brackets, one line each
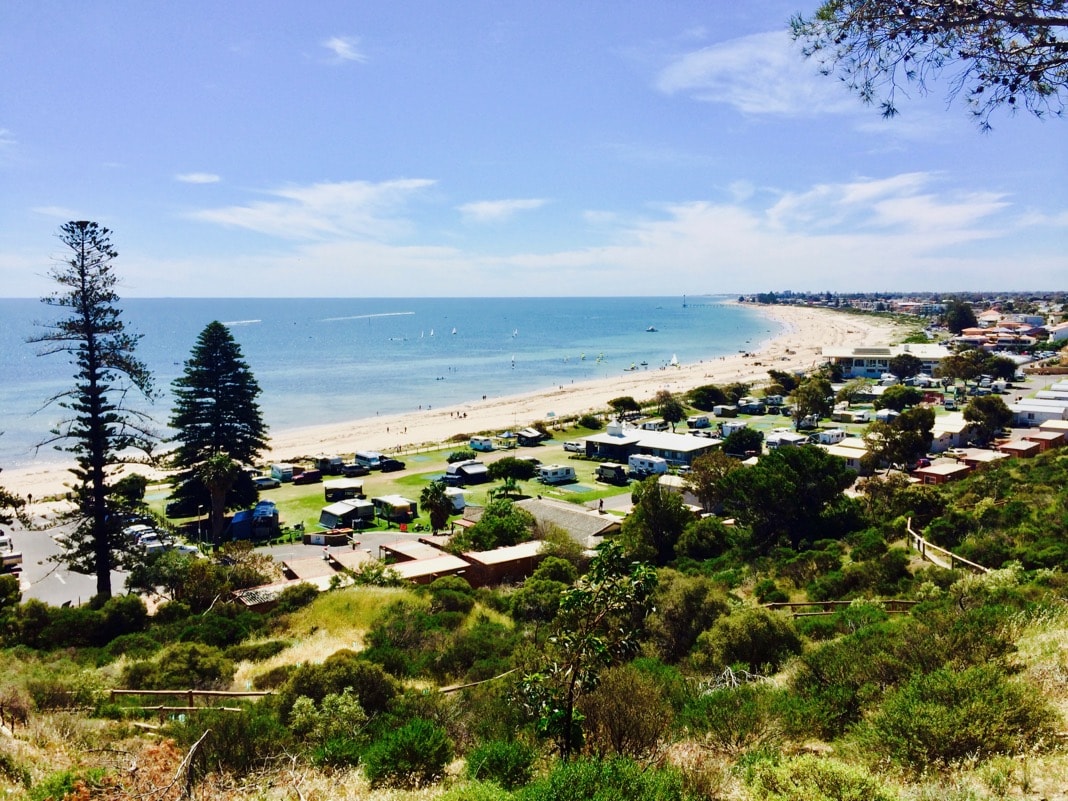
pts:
[642, 465]
[556, 474]
[611, 473]
[481, 444]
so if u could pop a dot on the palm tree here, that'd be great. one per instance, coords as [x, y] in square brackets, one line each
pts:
[218, 473]
[437, 504]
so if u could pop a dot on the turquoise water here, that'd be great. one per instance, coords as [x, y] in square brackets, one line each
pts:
[322, 361]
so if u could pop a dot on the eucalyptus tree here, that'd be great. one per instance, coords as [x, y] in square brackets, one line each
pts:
[99, 426]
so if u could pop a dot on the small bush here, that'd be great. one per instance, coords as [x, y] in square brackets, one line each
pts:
[735, 719]
[341, 670]
[461, 455]
[181, 666]
[238, 742]
[296, 597]
[605, 780]
[590, 421]
[412, 756]
[814, 779]
[759, 639]
[626, 715]
[67, 784]
[476, 791]
[946, 717]
[256, 652]
[508, 763]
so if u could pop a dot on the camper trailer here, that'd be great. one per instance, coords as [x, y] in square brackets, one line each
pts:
[611, 473]
[556, 474]
[725, 410]
[642, 465]
[329, 465]
[282, 472]
[395, 509]
[655, 425]
[352, 513]
[481, 444]
[831, 436]
[698, 421]
[342, 489]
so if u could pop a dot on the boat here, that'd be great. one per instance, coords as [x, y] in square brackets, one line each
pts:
[515, 333]
[454, 330]
[644, 364]
[674, 360]
[651, 330]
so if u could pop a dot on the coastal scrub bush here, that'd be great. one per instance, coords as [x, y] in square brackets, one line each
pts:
[735, 719]
[506, 762]
[626, 715]
[590, 421]
[451, 594]
[814, 779]
[411, 756]
[237, 742]
[460, 455]
[296, 597]
[335, 727]
[341, 670]
[683, 607]
[181, 666]
[756, 638]
[947, 717]
[256, 652]
[616, 779]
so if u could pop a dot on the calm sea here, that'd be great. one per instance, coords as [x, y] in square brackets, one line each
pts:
[323, 361]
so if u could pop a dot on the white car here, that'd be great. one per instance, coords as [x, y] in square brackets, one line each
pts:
[575, 446]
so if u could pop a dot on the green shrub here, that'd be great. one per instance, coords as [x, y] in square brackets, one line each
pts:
[412, 756]
[616, 779]
[759, 639]
[767, 591]
[135, 646]
[181, 666]
[626, 714]
[946, 717]
[590, 421]
[256, 652]
[14, 771]
[238, 742]
[476, 791]
[340, 670]
[219, 630]
[296, 597]
[67, 784]
[508, 763]
[461, 455]
[274, 678]
[451, 594]
[735, 719]
[812, 778]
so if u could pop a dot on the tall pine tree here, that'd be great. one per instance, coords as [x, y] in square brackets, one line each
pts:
[215, 415]
[100, 429]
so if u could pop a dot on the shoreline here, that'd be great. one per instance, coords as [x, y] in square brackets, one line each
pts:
[798, 346]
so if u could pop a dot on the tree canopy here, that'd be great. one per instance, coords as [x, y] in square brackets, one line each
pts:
[216, 413]
[997, 53]
[100, 428]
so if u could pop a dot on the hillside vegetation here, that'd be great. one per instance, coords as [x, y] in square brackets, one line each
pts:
[668, 678]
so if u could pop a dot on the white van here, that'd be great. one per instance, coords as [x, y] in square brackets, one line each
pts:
[372, 460]
[556, 474]
[481, 444]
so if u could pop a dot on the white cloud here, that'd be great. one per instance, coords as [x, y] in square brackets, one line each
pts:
[324, 210]
[197, 178]
[7, 138]
[344, 48]
[763, 73]
[484, 211]
[59, 212]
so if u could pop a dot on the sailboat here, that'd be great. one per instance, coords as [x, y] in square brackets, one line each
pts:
[513, 361]
[454, 330]
[674, 360]
[515, 333]
[431, 332]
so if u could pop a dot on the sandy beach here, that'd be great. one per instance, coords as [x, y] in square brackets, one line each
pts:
[806, 332]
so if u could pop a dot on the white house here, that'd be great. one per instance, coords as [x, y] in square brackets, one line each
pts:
[872, 362]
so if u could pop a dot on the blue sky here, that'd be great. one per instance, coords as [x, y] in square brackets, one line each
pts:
[498, 148]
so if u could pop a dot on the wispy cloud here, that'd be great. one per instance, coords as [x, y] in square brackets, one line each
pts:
[7, 138]
[324, 210]
[484, 211]
[59, 212]
[197, 178]
[759, 74]
[345, 48]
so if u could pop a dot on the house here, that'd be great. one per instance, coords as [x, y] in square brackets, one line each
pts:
[1021, 448]
[1055, 425]
[977, 458]
[853, 450]
[1057, 333]
[510, 564]
[619, 443]
[587, 527]
[1046, 439]
[949, 431]
[872, 362]
[941, 473]
[1028, 413]
[426, 571]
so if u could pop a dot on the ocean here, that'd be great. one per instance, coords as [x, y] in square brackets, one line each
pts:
[321, 361]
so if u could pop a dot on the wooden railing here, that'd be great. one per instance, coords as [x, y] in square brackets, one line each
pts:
[940, 556]
[894, 606]
[191, 697]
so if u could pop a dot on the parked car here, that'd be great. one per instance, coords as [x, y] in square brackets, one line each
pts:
[575, 447]
[352, 470]
[266, 482]
[919, 463]
[391, 465]
[183, 507]
[308, 477]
